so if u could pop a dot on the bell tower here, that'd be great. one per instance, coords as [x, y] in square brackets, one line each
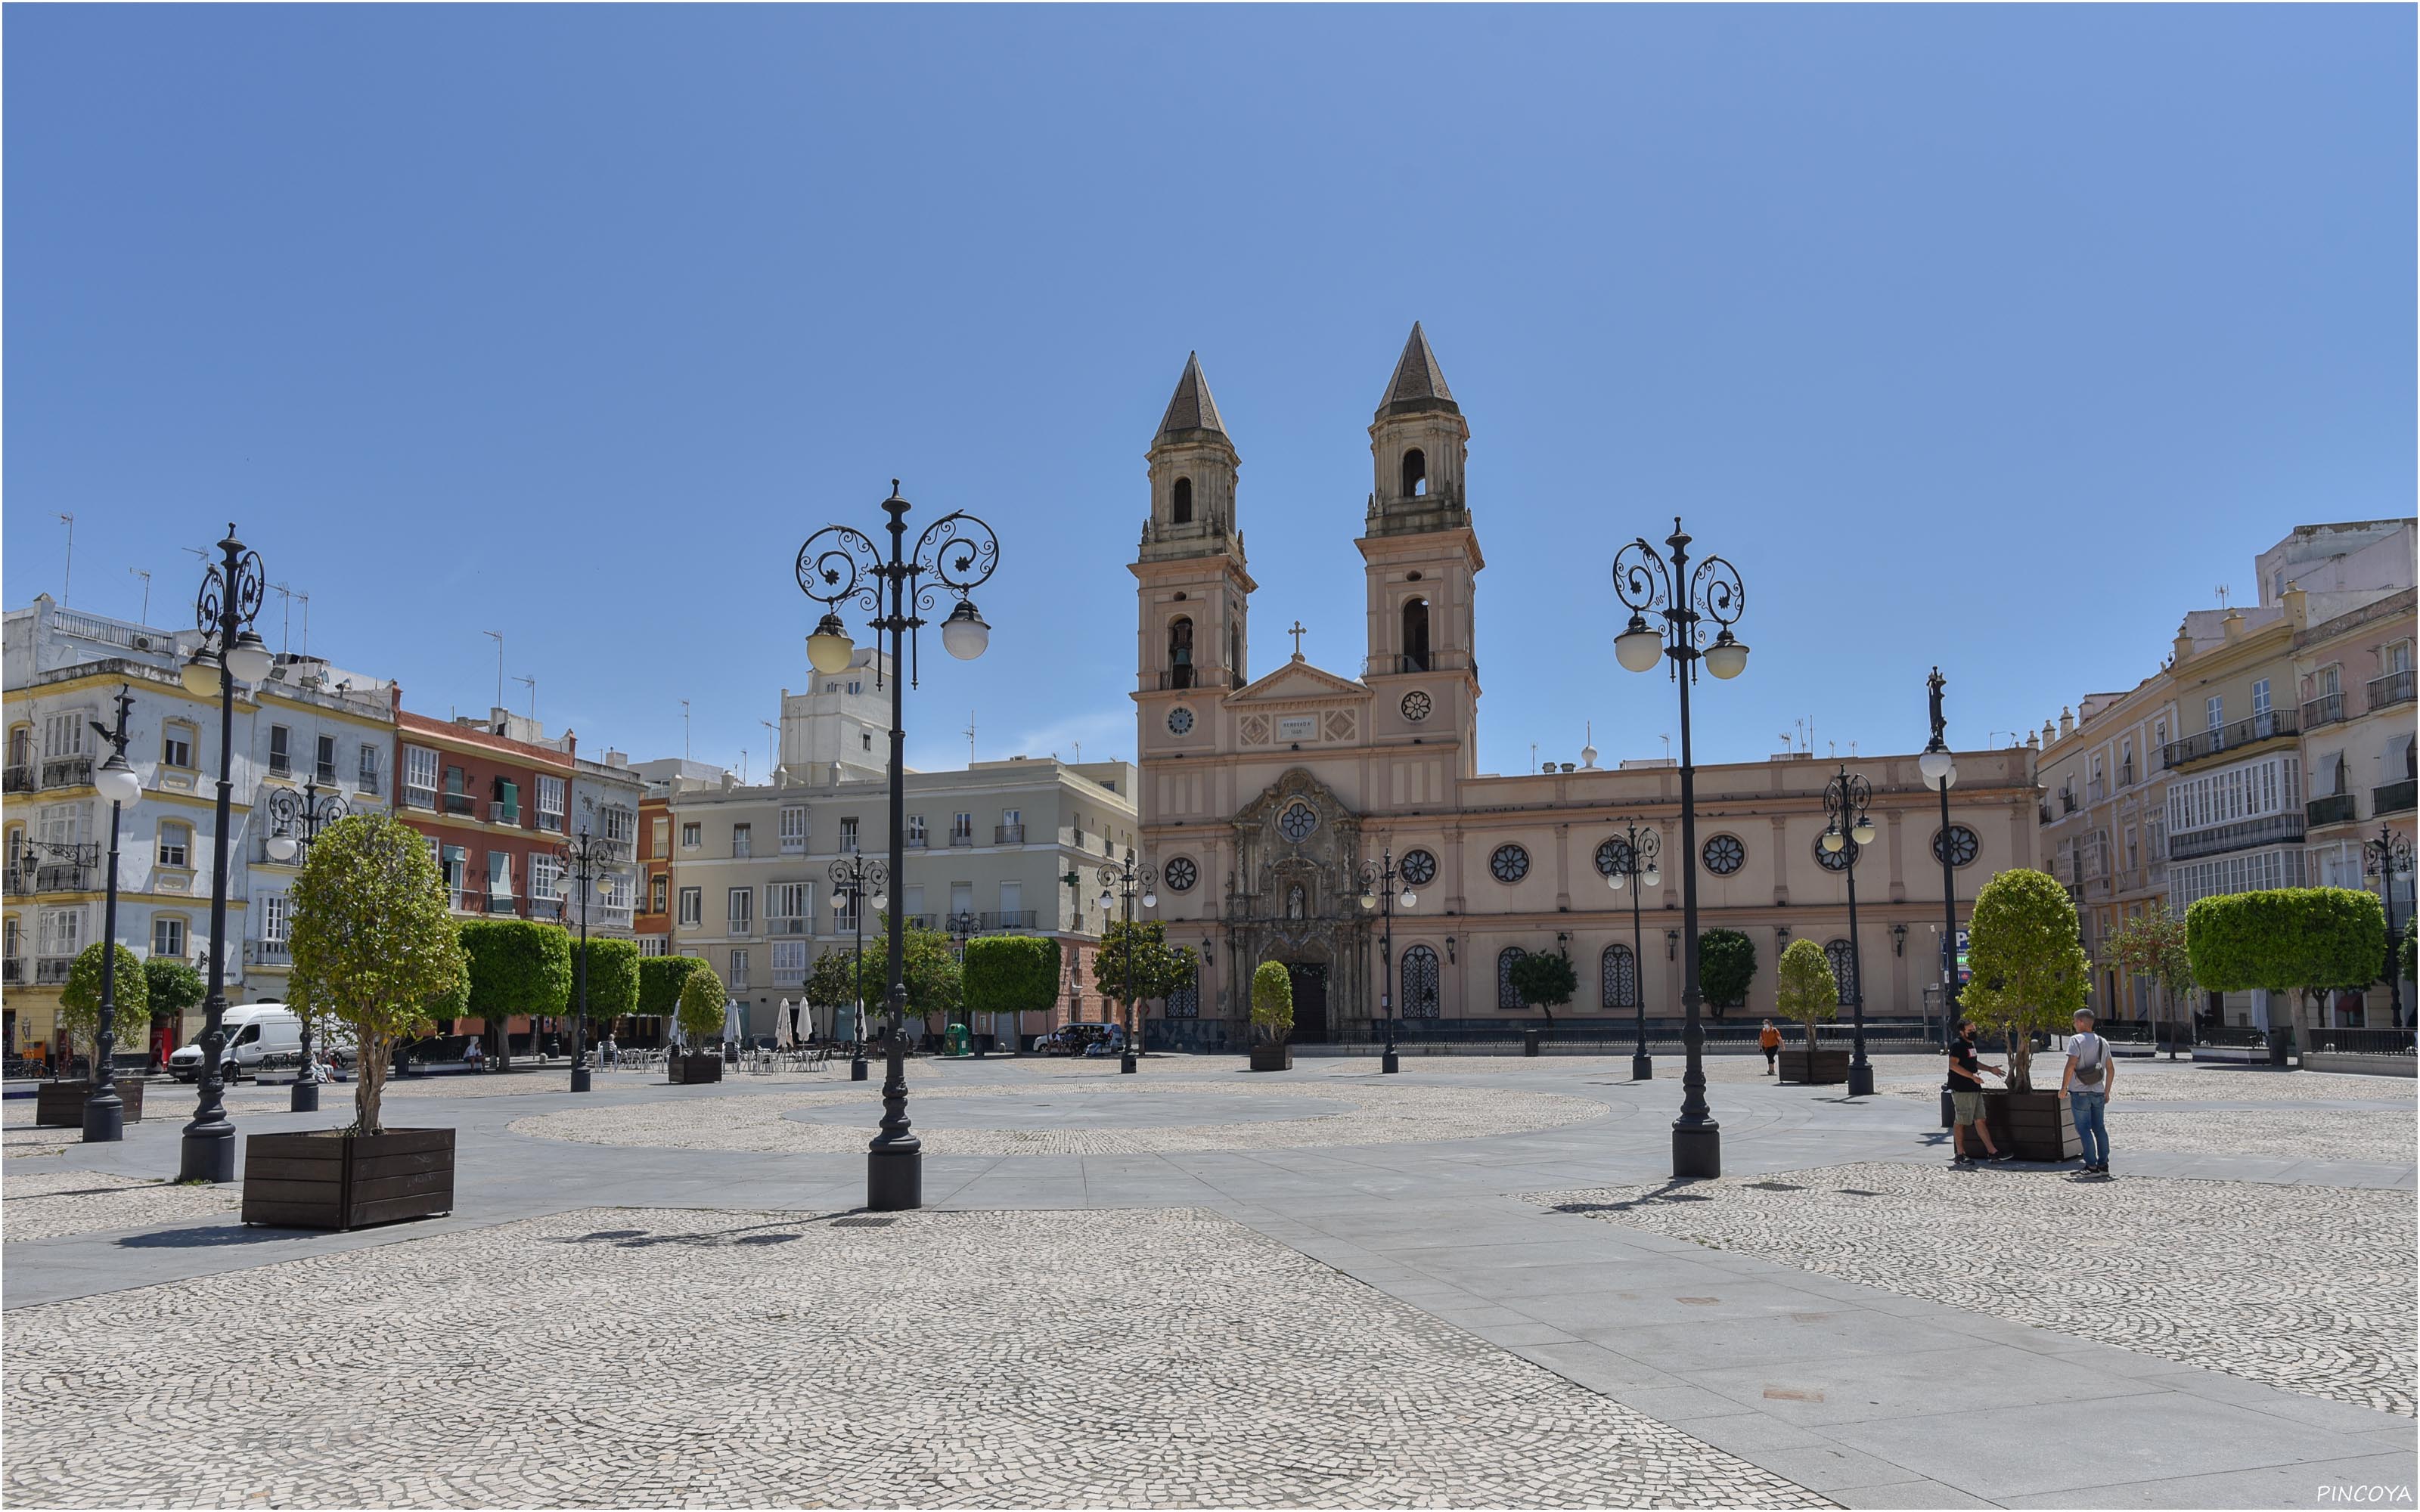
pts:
[1420, 560]
[1193, 587]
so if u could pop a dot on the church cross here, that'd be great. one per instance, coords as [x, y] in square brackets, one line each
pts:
[1296, 631]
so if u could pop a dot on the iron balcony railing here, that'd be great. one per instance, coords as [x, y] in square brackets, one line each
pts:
[268, 954]
[20, 780]
[67, 772]
[2269, 830]
[1008, 835]
[549, 820]
[740, 928]
[2335, 808]
[2066, 801]
[2328, 708]
[51, 970]
[12, 969]
[786, 926]
[956, 839]
[1429, 661]
[2393, 798]
[461, 803]
[916, 843]
[2394, 688]
[2227, 737]
[2043, 809]
[367, 782]
[280, 764]
[1011, 918]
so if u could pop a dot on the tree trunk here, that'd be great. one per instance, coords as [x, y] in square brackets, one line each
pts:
[2021, 1060]
[371, 1065]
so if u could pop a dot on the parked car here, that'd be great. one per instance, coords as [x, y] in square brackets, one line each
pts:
[257, 1035]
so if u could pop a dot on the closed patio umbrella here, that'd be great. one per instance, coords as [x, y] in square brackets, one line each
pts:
[783, 1038]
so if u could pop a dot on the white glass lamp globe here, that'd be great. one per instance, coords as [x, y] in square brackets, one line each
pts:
[1863, 830]
[1726, 659]
[829, 649]
[963, 633]
[200, 675]
[880, 902]
[1107, 901]
[1653, 877]
[1407, 899]
[116, 780]
[1832, 841]
[1369, 900]
[1637, 647]
[249, 659]
[1150, 899]
[284, 847]
[1617, 880]
[1938, 767]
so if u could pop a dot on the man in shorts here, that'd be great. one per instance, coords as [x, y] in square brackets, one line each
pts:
[1966, 1086]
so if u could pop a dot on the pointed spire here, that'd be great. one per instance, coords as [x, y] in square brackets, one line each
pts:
[1419, 382]
[1191, 408]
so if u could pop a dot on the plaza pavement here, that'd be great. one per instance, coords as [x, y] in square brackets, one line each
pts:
[1471, 1284]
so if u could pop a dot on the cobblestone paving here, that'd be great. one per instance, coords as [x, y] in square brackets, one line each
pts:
[2160, 1082]
[2299, 1133]
[27, 1140]
[662, 1358]
[54, 1204]
[2308, 1288]
[1335, 1115]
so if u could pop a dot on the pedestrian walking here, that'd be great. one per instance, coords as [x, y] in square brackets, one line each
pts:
[2089, 1078]
[1966, 1087]
[1769, 1041]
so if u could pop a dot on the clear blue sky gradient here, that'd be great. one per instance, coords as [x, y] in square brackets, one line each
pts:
[1991, 336]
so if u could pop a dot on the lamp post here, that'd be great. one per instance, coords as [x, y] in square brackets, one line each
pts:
[2384, 857]
[1851, 830]
[585, 860]
[1648, 583]
[1378, 890]
[1634, 856]
[856, 879]
[1940, 770]
[841, 565]
[296, 820]
[230, 598]
[104, 1111]
[1125, 882]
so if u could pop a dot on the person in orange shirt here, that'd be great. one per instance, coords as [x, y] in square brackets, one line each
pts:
[1769, 1041]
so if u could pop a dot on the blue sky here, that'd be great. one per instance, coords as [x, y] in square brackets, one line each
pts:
[1996, 338]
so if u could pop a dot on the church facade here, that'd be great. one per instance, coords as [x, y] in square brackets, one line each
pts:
[1265, 801]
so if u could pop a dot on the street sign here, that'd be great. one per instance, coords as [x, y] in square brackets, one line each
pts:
[1964, 975]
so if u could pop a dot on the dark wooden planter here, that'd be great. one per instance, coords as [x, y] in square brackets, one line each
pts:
[341, 1180]
[694, 1071]
[1814, 1067]
[2032, 1125]
[1273, 1058]
[60, 1105]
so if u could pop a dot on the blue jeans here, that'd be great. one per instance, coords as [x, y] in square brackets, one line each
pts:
[2088, 1108]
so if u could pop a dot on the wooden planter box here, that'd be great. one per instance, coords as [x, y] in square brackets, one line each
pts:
[60, 1105]
[1273, 1058]
[1814, 1067]
[2032, 1125]
[694, 1071]
[341, 1180]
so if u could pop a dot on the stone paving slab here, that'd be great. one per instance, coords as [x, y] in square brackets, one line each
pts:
[55, 1204]
[938, 1359]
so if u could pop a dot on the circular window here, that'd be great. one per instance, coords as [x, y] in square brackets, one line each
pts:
[1417, 706]
[1613, 856]
[1724, 854]
[1297, 821]
[1180, 721]
[1510, 863]
[1180, 875]
[1963, 846]
[1418, 868]
[1832, 860]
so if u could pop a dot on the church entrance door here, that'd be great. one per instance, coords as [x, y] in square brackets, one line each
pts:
[1309, 1002]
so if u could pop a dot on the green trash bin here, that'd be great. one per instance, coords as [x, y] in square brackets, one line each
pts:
[956, 1039]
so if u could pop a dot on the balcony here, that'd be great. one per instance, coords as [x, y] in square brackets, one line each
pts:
[956, 839]
[1012, 918]
[326, 775]
[461, 803]
[12, 969]
[2096, 791]
[2335, 808]
[740, 929]
[788, 926]
[2328, 708]
[2066, 804]
[924, 921]
[368, 786]
[2043, 809]
[916, 843]
[20, 780]
[2396, 797]
[2394, 688]
[549, 821]
[57, 869]
[2242, 733]
[611, 916]
[1008, 835]
[280, 764]
[420, 797]
[67, 772]
[2270, 830]
[2126, 774]
[52, 970]
[502, 812]
[268, 954]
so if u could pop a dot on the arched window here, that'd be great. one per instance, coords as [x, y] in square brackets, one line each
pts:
[1507, 995]
[1180, 652]
[1416, 474]
[1420, 999]
[1844, 968]
[1620, 969]
[1416, 635]
[1182, 511]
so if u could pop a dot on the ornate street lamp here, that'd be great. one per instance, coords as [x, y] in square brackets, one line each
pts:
[295, 821]
[859, 880]
[584, 860]
[230, 599]
[1125, 882]
[841, 565]
[1940, 769]
[1686, 602]
[2387, 857]
[1633, 856]
[1851, 830]
[1378, 879]
[104, 1111]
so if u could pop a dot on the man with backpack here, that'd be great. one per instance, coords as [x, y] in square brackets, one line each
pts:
[2089, 1078]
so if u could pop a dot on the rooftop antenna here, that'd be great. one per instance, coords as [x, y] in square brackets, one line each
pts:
[969, 733]
[2221, 590]
[306, 621]
[530, 683]
[144, 618]
[1079, 754]
[685, 751]
[772, 736]
[743, 766]
[68, 575]
[498, 637]
[286, 624]
[1668, 747]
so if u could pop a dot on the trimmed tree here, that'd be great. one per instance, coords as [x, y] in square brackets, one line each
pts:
[1159, 967]
[80, 999]
[1726, 967]
[661, 980]
[1011, 974]
[2306, 940]
[174, 990]
[1272, 1001]
[1804, 988]
[374, 947]
[613, 979]
[1546, 981]
[832, 983]
[928, 966]
[2154, 945]
[2029, 969]
[518, 965]
[704, 1007]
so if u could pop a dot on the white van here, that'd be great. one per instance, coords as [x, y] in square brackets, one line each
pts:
[257, 1034]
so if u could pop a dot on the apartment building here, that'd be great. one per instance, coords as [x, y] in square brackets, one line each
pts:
[495, 809]
[652, 923]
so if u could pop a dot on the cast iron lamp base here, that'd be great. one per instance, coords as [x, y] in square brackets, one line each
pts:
[894, 1180]
[1861, 1079]
[857, 1069]
[1126, 1064]
[207, 1156]
[1697, 1151]
[580, 1080]
[1388, 1065]
[104, 1120]
[1642, 1068]
[306, 1096]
